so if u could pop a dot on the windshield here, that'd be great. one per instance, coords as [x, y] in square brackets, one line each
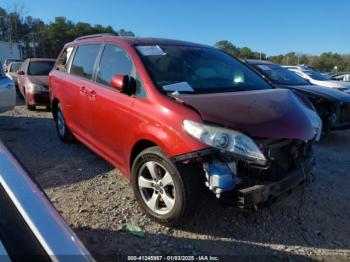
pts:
[15, 67]
[40, 68]
[188, 69]
[281, 75]
[315, 75]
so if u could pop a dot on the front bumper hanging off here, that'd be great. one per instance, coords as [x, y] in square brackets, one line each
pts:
[269, 192]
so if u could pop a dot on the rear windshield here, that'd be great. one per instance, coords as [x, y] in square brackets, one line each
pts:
[40, 68]
[192, 69]
[282, 76]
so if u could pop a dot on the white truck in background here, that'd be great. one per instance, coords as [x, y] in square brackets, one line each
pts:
[9, 50]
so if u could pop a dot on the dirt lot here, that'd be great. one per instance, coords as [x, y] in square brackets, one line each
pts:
[98, 203]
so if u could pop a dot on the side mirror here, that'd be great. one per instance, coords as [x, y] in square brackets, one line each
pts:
[120, 82]
[20, 72]
[124, 84]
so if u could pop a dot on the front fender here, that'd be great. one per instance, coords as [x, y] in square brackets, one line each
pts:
[172, 143]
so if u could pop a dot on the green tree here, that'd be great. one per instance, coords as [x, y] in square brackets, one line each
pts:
[46, 40]
[228, 47]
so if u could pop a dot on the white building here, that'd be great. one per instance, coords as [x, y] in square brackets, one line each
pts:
[9, 50]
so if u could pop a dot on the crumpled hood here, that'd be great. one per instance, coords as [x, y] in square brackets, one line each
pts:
[39, 80]
[331, 83]
[324, 92]
[273, 113]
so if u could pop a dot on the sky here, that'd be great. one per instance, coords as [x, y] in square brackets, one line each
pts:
[269, 26]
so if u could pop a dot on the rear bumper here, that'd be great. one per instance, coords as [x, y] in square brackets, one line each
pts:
[38, 99]
[270, 192]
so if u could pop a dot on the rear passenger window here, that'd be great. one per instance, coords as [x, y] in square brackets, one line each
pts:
[114, 61]
[84, 60]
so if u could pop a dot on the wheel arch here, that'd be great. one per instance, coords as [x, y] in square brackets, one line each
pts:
[54, 106]
[138, 147]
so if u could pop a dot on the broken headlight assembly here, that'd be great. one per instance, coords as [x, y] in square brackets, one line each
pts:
[227, 141]
[316, 123]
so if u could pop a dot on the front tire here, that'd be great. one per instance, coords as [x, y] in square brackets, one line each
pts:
[168, 193]
[63, 130]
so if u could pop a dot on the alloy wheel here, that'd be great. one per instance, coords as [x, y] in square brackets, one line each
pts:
[156, 187]
[61, 126]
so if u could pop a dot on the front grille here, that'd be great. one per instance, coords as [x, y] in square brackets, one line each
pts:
[283, 156]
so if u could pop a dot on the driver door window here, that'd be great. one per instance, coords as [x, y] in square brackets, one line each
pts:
[115, 61]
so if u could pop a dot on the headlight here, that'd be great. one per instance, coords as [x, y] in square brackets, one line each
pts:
[38, 88]
[316, 123]
[226, 140]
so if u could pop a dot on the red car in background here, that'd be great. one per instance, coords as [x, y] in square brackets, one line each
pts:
[176, 116]
[33, 81]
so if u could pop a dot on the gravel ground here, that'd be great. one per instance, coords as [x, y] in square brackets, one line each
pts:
[97, 202]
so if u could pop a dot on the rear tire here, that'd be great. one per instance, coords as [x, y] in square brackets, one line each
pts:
[168, 193]
[63, 130]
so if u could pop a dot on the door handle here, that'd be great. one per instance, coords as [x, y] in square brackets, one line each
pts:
[83, 90]
[92, 95]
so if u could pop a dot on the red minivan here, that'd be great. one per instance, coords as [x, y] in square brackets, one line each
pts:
[177, 117]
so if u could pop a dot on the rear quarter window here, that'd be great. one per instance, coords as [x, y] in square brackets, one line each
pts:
[63, 60]
[84, 60]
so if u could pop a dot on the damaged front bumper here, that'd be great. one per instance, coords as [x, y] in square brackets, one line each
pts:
[246, 185]
[251, 197]
[342, 117]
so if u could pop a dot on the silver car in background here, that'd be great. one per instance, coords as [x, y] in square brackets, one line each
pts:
[12, 70]
[7, 93]
[317, 78]
[341, 76]
[30, 227]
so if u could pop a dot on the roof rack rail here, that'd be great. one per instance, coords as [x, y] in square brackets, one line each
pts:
[93, 36]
